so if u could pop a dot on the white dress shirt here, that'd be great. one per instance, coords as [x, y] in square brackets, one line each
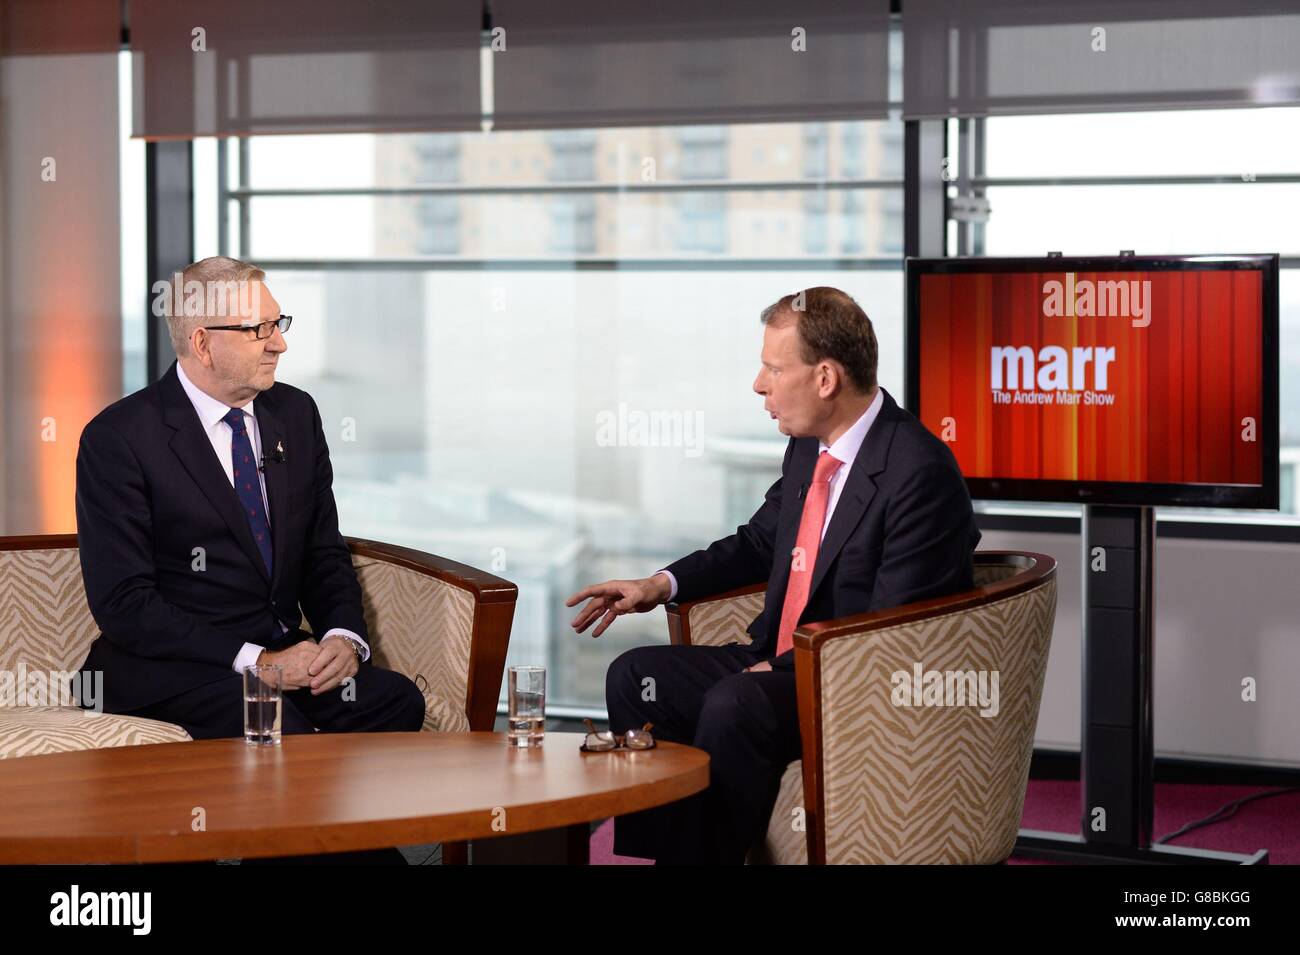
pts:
[211, 412]
[846, 449]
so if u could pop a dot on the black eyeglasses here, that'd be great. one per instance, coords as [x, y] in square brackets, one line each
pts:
[263, 330]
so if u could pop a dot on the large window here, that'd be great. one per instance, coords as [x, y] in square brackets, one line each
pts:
[1219, 181]
[534, 352]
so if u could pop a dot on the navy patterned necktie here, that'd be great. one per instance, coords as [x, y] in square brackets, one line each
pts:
[247, 484]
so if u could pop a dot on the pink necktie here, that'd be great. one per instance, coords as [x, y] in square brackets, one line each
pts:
[804, 557]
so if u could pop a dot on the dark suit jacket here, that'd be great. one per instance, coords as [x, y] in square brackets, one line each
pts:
[902, 530]
[150, 490]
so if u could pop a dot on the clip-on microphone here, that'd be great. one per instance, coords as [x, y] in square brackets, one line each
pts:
[275, 457]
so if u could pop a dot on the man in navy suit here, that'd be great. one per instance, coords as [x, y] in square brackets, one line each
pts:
[206, 519]
[870, 511]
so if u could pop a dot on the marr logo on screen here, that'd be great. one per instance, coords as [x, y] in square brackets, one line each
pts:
[1085, 298]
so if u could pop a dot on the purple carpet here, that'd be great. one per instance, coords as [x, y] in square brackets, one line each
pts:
[1053, 805]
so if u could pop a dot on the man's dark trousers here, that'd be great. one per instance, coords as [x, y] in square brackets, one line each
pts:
[383, 701]
[748, 723]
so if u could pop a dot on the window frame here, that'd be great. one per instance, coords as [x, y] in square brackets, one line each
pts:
[967, 148]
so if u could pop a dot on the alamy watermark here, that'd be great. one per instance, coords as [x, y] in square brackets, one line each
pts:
[131, 909]
[922, 687]
[238, 299]
[635, 428]
[24, 687]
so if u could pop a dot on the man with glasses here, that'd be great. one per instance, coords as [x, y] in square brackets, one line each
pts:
[206, 519]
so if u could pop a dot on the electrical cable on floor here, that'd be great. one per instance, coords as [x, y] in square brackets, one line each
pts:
[1226, 811]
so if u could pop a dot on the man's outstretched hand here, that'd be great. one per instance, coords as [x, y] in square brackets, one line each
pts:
[614, 598]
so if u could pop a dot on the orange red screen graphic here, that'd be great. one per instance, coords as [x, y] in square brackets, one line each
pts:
[1149, 376]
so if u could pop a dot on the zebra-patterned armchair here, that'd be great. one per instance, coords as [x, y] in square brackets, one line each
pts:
[443, 624]
[891, 778]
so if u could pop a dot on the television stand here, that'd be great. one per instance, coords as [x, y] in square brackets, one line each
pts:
[1118, 759]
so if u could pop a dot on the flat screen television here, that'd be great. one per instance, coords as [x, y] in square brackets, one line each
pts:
[1105, 380]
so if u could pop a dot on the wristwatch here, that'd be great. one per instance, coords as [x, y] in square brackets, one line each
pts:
[355, 645]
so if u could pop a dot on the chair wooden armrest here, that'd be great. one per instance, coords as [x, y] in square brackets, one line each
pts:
[718, 620]
[444, 624]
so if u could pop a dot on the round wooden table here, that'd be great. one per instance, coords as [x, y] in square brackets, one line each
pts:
[330, 792]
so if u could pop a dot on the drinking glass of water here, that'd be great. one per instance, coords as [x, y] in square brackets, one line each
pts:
[262, 688]
[527, 706]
